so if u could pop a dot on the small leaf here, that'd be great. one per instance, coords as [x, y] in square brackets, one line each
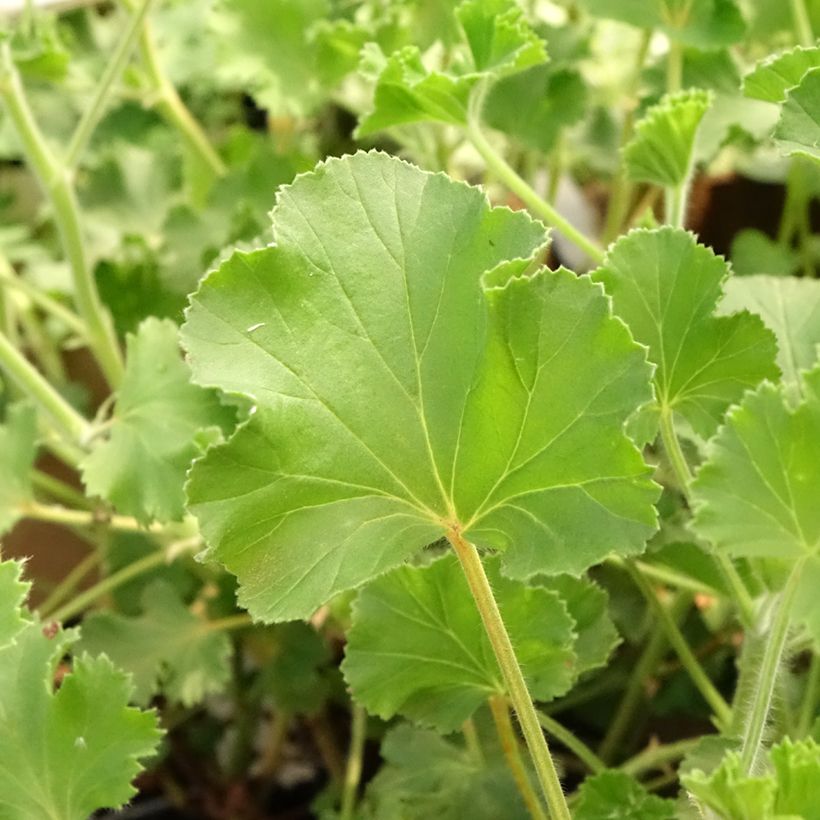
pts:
[798, 129]
[774, 76]
[797, 768]
[155, 431]
[13, 592]
[66, 753]
[495, 409]
[661, 149]
[665, 286]
[754, 252]
[417, 647]
[18, 448]
[425, 776]
[756, 494]
[616, 796]
[167, 648]
[790, 307]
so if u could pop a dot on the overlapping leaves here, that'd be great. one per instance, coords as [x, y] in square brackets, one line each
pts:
[396, 397]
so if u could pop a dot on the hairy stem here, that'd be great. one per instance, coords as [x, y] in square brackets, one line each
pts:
[675, 637]
[499, 166]
[33, 384]
[509, 745]
[113, 71]
[56, 183]
[355, 756]
[572, 742]
[517, 688]
[767, 673]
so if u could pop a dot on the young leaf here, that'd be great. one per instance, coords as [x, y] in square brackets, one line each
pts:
[69, 752]
[397, 398]
[774, 76]
[617, 796]
[426, 776]
[798, 129]
[790, 307]
[665, 286]
[167, 648]
[756, 494]
[160, 423]
[18, 447]
[13, 592]
[661, 149]
[417, 648]
[754, 252]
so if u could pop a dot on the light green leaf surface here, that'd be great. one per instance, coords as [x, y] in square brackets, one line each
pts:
[166, 649]
[699, 23]
[425, 776]
[666, 286]
[13, 592]
[660, 150]
[617, 796]
[161, 422]
[396, 397]
[790, 308]
[797, 769]
[775, 75]
[754, 252]
[756, 494]
[18, 448]
[417, 646]
[798, 129]
[65, 753]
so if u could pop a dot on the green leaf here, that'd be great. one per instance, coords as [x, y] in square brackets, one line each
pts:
[731, 793]
[798, 129]
[797, 768]
[13, 592]
[756, 494]
[425, 775]
[65, 753]
[417, 647]
[666, 286]
[700, 23]
[161, 422]
[396, 397]
[166, 649]
[754, 252]
[774, 76]
[617, 796]
[18, 447]
[790, 307]
[588, 605]
[661, 149]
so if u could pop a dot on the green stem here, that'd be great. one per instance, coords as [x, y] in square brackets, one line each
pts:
[509, 746]
[116, 579]
[68, 584]
[471, 741]
[239, 621]
[78, 518]
[656, 756]
[808, 710]
[56, 183]
[34, 385]
[113, 71]
[355, 756]
[572, 742]
[674, 67]
[701, 680]
[517, 688]
[767, 673]
[498, 165]
[59, 490]
[42, 347]
[675, 204]
[666, 575]
[802, 23]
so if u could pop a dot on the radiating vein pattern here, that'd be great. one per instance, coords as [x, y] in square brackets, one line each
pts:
[410, 374]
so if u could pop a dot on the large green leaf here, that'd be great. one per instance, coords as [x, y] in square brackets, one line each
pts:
[798, 129]
[160, 423]
[397, 397]
[666, 286]
[774, 76]
[616, 796]
[13, 592]
[417, 647]
[167, 648]
[756, 494]
[661, 149]
[18, 447]
[790, 307]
